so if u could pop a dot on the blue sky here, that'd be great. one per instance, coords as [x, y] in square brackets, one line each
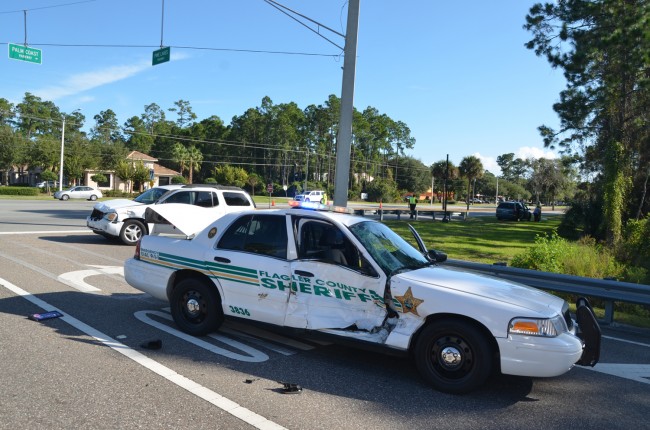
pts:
[456, 72]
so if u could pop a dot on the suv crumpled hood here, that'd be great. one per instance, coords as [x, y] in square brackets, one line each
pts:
[113, 205]
[485, 286]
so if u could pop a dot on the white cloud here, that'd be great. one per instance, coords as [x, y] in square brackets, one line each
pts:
[489, 163]
[80, 82]
[176, 56]
[526, 152]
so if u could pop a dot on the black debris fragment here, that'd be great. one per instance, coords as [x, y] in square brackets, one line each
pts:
[290, 388]
[152, 344]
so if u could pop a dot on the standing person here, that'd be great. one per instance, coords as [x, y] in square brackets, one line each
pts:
[412, 202]
[537, 213]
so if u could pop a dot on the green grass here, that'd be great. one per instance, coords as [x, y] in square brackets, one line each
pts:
[486, 240]
[482, 239]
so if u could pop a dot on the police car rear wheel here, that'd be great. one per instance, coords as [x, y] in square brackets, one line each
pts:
[196, 307]
[453, 356]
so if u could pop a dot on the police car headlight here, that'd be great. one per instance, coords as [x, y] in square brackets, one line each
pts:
[546, 327]
[111, 216]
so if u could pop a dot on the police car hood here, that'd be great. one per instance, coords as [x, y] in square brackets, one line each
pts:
[485, 286]
[186, 219]
[115, 204]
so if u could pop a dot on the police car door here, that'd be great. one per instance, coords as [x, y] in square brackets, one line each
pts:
[250, 263]
[334, 285]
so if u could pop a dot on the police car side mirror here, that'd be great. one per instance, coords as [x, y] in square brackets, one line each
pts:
[437, 256]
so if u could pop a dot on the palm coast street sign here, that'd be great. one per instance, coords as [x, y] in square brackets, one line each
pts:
[25, 53]
[160, 56]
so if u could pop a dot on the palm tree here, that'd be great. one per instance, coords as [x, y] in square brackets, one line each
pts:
[438, 171]
[180, 156]
[471, 168]
[194, 158]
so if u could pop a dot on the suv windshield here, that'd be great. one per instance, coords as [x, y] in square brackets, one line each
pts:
[390, 251]
[151, 195]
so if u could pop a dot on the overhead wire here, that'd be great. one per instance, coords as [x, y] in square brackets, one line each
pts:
[47, 7]
[205, 48]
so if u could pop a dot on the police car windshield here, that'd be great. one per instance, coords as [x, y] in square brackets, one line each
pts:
[387, 248]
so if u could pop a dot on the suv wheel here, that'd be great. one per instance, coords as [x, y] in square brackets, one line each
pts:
[132, 231]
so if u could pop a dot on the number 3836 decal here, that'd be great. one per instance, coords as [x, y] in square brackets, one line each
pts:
[239, 311]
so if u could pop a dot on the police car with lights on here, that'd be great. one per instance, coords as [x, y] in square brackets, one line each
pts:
[356, 280]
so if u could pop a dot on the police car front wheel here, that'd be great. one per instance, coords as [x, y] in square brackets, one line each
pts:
[453, 356]
[196, 307]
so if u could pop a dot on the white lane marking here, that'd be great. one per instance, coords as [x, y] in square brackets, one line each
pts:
[45, 232]
[256, 341]
[627, 341]
[254, 331]
[635, 372]
[198, 390]
[254, 356]
[76, 279]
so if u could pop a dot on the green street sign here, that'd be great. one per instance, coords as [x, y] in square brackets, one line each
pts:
[160, 56]
[25, 53]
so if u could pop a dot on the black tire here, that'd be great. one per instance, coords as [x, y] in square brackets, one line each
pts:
[93, 197]
[453, 356]
[65, 197]
[196, 307]
[132, 231]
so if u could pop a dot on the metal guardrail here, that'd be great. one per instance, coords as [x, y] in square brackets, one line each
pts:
[608, 290]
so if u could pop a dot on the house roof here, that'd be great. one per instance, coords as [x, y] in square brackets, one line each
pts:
[136, 155]
[164, 171]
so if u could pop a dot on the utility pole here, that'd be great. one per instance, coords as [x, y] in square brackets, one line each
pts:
[307, 168]
[344, 140]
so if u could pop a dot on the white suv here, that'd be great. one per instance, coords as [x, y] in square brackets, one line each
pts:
[125, 219]
[316, 196]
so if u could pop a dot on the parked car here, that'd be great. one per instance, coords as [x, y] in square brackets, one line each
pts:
[316, 196]
[50, 184]
[124, 218]
[513, 211]
[355, 280]
[79, 192]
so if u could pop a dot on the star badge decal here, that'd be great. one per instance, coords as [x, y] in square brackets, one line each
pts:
[409, 303]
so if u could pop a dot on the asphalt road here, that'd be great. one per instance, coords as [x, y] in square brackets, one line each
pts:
[91, 368]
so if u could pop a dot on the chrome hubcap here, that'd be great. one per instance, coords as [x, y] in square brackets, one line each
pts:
[193, 306]
[451, 356]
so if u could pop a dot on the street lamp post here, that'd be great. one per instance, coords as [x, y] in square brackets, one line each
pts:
[62, 148]
[61, 162]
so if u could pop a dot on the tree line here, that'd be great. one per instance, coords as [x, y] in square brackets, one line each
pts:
[272, 143]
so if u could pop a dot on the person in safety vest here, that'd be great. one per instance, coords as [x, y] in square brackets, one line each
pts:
[412, 202]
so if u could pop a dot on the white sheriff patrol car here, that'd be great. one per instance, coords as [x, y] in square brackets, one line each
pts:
[354, 278]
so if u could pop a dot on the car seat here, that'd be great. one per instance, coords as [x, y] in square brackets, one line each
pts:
[333, 241]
